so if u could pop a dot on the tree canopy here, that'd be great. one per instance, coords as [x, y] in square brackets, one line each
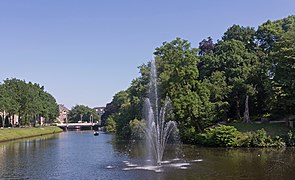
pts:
[247, 72]
[82, 113]
[27, 100]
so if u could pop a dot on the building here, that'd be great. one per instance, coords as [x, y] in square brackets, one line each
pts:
[63, 113]
[10, 120]
[99, 110]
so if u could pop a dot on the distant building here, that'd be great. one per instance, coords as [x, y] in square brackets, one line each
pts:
[63, 113]
[12, 120]
[99, 110]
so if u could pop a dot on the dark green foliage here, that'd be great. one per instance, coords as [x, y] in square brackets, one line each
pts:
[283, 82]
[229, 136]
[270, 32]
[261, 139]
[223, 136]
[137, 128]
[179, 80]
[290, 138]
[246, 35]
[111, 125]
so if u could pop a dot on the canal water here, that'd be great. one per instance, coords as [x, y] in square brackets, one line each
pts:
[80, 155]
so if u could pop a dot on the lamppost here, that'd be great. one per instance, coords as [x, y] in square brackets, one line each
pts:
[91, 121]
[81, 115]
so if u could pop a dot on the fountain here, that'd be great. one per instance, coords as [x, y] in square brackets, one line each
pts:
[159, 132]
[157, 129]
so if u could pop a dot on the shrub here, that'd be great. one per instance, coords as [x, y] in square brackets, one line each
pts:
[136, 127]
[290, 138]
[260, 139]
[229, 136]
[190, 136]
[224, 136]
[245, 139]
[278, 142]
[111, 125]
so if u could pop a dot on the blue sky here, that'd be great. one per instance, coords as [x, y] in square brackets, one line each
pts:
[84, 51]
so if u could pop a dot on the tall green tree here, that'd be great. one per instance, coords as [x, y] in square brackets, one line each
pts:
[238, 64]
[270, 37]
[179, 80]
[244, 34]
[283, 82]
[271, 32]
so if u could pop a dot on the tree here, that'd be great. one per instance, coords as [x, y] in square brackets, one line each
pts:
[244, 34]
[206, 46]
[27, 100]
[82, 113]
[237, 64]
[219, 91]
[178, 79]
[271, 32]
[49, 107]
[247, 73]
[270, 37]
[283, 83]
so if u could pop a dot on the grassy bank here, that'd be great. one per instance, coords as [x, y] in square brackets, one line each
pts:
[19, 133]
[272, 129]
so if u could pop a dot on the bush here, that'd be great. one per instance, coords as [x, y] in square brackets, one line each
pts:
[261, 139]
[111, 125]
[290, 138]
[136, 127]
[224, 136]
[229, 136]
[190, 136]
[245, 139]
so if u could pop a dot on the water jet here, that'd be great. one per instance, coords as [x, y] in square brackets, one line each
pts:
[157, 129]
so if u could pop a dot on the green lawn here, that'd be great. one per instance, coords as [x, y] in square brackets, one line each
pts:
[273, 129]
[17, 133]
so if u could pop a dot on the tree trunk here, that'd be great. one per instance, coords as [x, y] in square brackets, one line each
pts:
[246, 113]
[238, 114]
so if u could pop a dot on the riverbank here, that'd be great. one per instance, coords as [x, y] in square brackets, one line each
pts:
[247, 135]
[273, 129]
[20, 133]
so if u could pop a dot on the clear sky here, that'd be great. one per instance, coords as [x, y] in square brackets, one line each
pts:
[84, 51]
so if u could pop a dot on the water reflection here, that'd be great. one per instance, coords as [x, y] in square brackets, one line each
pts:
[220, 163]
[19, 154]
[80, 155]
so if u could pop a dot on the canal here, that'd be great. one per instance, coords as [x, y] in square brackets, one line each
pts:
[80, 155]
